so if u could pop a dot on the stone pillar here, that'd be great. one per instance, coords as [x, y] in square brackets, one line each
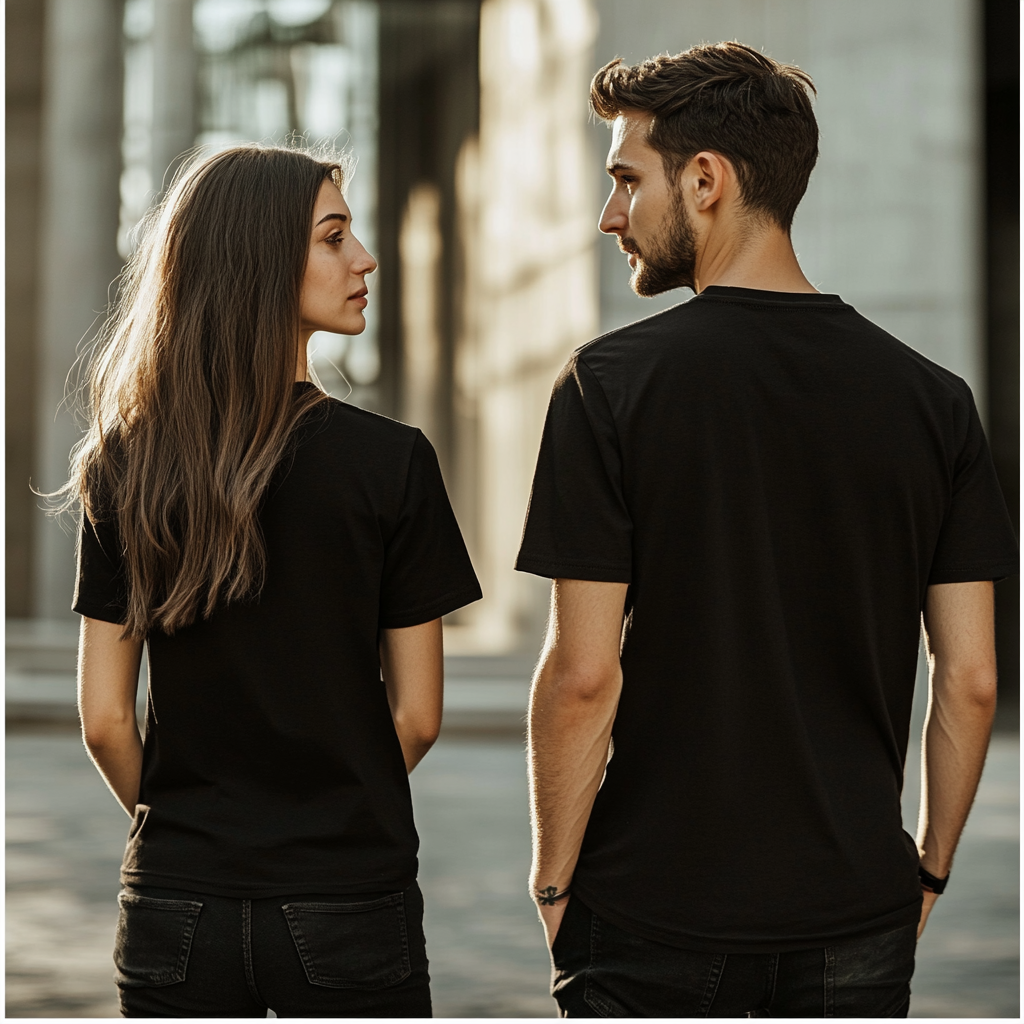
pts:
[174, 87]
[24, 54]
[531, 287]
[78, 250]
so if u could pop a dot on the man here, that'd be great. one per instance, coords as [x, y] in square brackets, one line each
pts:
[746, 503]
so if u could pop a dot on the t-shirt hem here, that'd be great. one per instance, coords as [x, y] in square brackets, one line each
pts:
[574, 571]
[442, 606]
[96, 611]
[682, 939]
[997, 571]
[271, 889]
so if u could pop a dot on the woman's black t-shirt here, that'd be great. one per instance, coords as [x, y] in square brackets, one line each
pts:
[271, 764]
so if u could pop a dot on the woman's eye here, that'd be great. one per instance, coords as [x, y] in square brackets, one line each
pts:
[334, 239]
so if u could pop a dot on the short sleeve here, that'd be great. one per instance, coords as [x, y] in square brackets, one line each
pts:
[578, 525]
[427, 571]
[100, 589]
[977, 539]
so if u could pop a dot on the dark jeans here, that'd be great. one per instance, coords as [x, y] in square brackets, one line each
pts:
[186, 954]
[602, 971]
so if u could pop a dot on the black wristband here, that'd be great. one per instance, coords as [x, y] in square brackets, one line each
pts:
[930, 883]
[550, 896]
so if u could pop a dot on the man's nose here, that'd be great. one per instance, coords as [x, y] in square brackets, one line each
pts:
[613, 220]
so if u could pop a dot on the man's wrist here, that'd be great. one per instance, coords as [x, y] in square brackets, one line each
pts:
[931, 883]
[550, 895]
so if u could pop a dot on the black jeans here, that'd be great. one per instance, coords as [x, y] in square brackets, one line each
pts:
[603, 971]
[186, 954]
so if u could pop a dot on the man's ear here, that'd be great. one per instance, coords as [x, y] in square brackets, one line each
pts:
[704, 179]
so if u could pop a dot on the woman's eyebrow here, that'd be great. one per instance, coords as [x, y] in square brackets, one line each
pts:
[331, 216]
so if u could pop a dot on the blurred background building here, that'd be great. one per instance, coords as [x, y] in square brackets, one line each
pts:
[478, 187]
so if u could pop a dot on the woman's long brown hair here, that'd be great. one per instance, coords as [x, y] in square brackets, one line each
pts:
[191, 390]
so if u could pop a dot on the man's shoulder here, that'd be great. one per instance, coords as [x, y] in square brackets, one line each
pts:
[630, 340]
[697, 334]
[910, 362]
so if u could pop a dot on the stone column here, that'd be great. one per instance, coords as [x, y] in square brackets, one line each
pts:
[78, 251]
[174, 87]
[24, 55]
[531, 288]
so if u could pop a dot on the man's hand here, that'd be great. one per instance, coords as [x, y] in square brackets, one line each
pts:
[551, 918]
[926, 909]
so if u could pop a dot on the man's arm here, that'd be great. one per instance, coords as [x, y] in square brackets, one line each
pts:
[412, 664]
[960, 643]
[572, 708]
[108, 678]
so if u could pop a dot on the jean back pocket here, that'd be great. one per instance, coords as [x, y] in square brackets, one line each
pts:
[153, 940]
[352, 945]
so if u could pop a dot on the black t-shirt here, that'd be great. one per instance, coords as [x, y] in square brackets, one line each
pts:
[778, 481]
[271, 764]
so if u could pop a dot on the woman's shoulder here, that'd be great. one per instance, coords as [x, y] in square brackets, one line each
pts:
[361, 433]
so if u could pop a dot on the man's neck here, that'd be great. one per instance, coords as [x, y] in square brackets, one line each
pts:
[761, 258]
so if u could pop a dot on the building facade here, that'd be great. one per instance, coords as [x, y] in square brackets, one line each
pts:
[479, 183]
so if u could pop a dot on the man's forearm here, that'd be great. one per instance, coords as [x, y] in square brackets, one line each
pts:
[955, 742]
[570, 725]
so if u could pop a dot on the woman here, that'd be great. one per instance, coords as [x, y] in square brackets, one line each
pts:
[277, 552]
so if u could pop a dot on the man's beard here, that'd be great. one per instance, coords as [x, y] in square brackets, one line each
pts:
[667, 261]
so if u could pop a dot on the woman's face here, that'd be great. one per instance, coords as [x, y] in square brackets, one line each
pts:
[333, 293]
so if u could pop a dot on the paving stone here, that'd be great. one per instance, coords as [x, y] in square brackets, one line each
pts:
[66, 834]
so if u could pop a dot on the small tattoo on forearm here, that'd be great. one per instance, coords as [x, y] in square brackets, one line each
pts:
[550, 896]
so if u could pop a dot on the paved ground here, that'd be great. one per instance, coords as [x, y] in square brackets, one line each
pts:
[65, 836]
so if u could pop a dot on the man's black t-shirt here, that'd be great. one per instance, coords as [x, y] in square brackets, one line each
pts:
[778, 481]
[271, 764]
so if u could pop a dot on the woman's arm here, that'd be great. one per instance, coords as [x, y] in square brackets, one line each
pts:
[412, 663]
[108, 677]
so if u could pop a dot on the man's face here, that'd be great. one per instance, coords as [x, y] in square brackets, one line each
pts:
[645, 211]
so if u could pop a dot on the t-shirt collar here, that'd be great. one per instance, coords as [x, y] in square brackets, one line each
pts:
[718, 291]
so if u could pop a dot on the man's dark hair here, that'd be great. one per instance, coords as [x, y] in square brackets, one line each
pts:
[730, 99]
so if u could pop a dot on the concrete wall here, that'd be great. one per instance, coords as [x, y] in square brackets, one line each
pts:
[891, 220]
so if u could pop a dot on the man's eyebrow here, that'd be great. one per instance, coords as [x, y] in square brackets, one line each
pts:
[331, 216]
[614, 169]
